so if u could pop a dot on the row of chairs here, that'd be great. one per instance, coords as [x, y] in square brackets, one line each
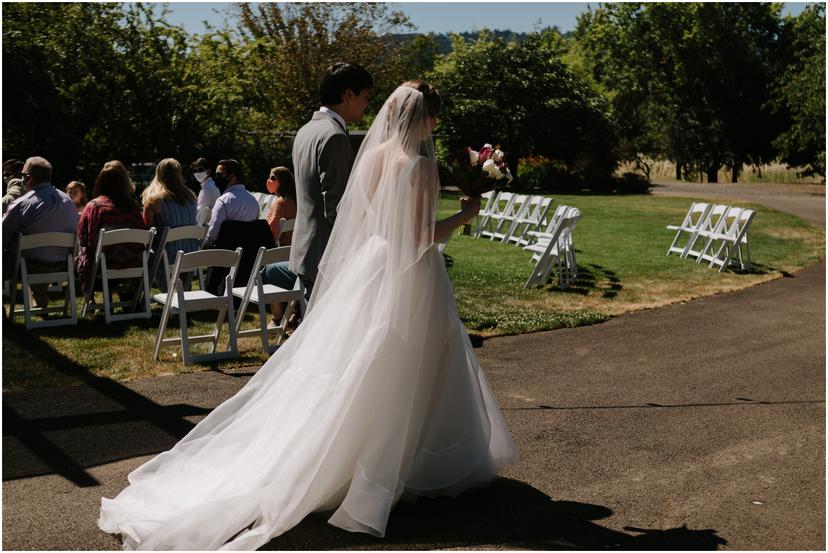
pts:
[716, 234]
[181, 301]
[553, 249]
[509, 217]
[524, 220]
[178, 279]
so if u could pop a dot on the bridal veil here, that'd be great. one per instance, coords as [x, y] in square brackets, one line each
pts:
[377, 396]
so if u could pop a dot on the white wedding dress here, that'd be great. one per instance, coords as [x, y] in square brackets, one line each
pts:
[377, 396]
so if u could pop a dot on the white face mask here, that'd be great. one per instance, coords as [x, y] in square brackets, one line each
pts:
[201, 176]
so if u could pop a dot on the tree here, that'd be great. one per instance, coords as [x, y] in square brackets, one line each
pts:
[799, 94]
[298, 41]
[687, 81]
[90, 82]
[522, 96]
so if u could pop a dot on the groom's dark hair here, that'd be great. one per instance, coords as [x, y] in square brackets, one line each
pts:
[340, 77]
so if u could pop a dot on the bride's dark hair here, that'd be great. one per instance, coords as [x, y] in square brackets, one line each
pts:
[430, 95]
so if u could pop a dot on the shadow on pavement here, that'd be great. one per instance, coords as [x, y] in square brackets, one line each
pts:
[508, 513]
[103, 421]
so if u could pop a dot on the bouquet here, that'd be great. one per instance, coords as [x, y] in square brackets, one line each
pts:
[477, 172]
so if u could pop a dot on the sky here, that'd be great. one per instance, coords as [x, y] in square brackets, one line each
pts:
[438, 17]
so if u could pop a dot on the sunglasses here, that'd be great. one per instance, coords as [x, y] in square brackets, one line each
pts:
[274, 177]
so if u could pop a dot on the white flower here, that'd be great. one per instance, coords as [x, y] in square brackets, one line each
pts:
[497, 156]
[490, 167]
[473, 157]
[489, 146]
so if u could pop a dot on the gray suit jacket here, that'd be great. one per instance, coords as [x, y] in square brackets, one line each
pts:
[322, 159]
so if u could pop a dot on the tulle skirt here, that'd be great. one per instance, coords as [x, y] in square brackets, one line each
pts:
[377, 396]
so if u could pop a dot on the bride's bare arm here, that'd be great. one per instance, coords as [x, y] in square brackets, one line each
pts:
[469, 208]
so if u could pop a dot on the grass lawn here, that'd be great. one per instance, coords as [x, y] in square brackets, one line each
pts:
[620, 243]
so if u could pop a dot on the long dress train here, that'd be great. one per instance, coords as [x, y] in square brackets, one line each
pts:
[377, 395]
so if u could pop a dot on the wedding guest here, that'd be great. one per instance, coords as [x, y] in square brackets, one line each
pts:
[12, 182]
[169, 203]
[236, 204]
[77, 191]
[322, 159]
[208, 191]
[42, 208]
[113, 206]
[282, 185]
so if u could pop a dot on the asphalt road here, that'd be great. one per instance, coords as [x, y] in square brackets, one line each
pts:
[695, 426]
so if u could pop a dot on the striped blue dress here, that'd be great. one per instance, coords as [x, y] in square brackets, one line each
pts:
[173, 214]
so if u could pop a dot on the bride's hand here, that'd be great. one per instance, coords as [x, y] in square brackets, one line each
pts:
[470, 206]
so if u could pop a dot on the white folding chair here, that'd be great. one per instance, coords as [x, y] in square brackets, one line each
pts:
[551, 225]
[711, 224]
[531, 220]
[188, 301]
[175, 234]
[262, 295]
[203, 215]
[691, 224]
[264, 201]
[726, 225]
[65, 278]
[285, 225]
[500, 205]
[729, 241]
[114, 238]
[553, 250]
[504, 222]
[488, 201]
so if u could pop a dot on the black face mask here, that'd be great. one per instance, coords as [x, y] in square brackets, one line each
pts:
[220, 180]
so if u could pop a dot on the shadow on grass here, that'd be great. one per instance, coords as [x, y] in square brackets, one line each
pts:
[508, 513]
[115, 422]
[591, 278]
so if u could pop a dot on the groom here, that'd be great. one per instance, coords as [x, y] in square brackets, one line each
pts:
[322, 159]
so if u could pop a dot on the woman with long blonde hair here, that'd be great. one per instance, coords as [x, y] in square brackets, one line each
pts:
[169, 203]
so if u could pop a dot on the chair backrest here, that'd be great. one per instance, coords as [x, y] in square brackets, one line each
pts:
[695, 215]
[729, 223]
[185, 262]
[502, 203]
[286, 225]
[203, 215]
[538, 206]
[274, 255]
[559, 214]
[518, 206]
[39, 240]
[743, 223]
[126, 236]
[187, 232]
[714, 217]
[490, 198]
[249, 235]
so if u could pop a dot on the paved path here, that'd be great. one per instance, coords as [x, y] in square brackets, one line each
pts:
[695, 426]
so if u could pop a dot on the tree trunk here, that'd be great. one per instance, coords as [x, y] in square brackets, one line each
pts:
[734, 172]
[712, 173]
[678, 170]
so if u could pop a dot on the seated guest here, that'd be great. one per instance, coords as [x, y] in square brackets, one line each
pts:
[77, 191]
[113, 206]
[169, 203]
[282, 185]
[42, 208]
[208, 192]
[235, 204]
[12, 182]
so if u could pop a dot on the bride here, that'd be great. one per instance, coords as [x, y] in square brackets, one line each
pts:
[377, 396]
